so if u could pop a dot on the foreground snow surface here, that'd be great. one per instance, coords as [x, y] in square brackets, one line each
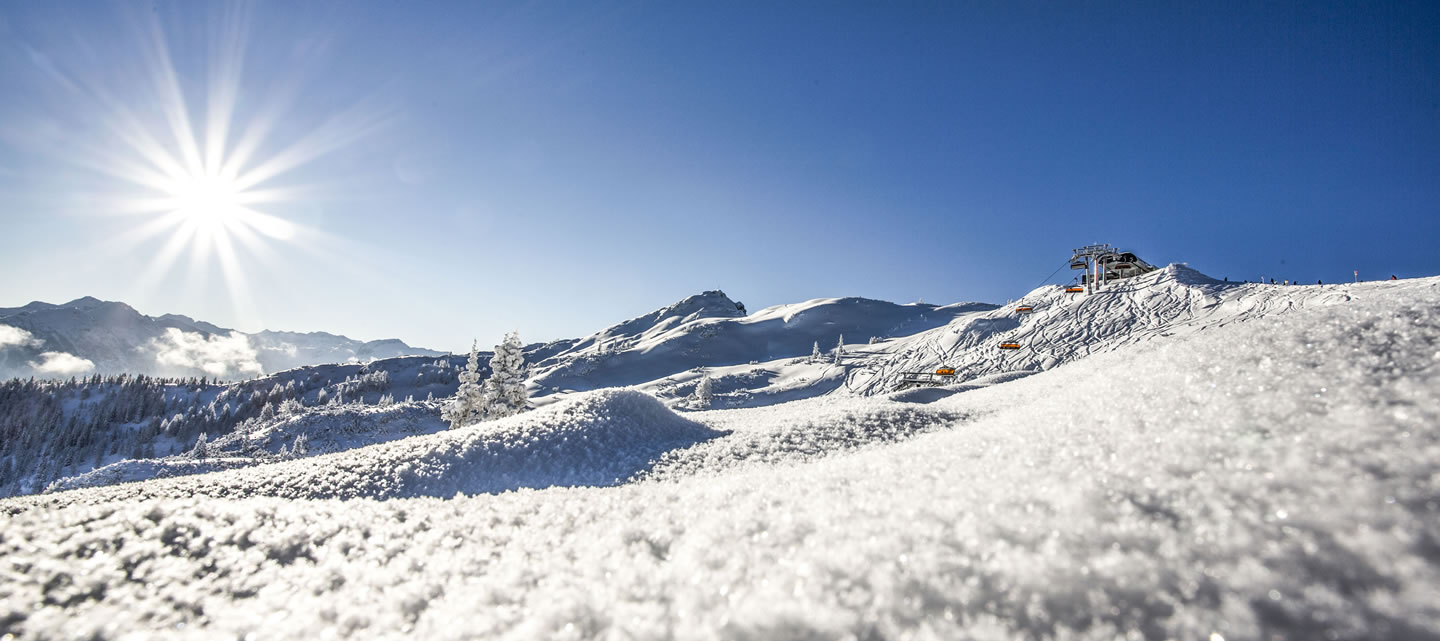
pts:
[1272, 479]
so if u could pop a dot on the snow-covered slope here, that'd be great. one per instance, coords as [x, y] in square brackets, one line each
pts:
[764, 358]
[323, 430]
[707, 331]
[1275, 478]
[115, 338]
[599, 438]
[1064, 327]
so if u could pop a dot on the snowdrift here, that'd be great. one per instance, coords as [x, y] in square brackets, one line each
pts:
[598, 438]
[136, 470]
[327, 430]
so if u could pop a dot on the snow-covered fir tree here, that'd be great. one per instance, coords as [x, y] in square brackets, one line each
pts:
[839, 349]
[815, 353]
[200, 449]
[469, 403]
[505, 389]
[704, 392]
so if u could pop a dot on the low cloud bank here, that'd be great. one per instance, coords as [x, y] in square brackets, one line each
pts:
[62, 363]
[16, 337]
[229, 356]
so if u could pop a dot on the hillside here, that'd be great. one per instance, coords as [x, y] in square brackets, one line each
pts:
[1200, 477]
[754, 360]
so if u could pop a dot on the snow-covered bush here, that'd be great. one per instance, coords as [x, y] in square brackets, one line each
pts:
[704, 393]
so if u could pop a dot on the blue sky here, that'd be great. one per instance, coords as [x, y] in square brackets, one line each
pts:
[460, 170]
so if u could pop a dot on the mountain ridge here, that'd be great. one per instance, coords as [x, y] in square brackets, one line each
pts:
[91, 336]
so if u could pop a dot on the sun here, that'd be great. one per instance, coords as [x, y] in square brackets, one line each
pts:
[207, 201]
[211, 192]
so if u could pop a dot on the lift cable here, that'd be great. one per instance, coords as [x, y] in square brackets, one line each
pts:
[1052, 274]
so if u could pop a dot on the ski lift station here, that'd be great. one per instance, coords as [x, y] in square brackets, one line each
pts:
[1101, 264]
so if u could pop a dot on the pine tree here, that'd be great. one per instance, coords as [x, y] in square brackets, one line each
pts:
[839, 349]
[469, 403]
[815, 353]
[505, 389]
[301, 446]
[200, 449]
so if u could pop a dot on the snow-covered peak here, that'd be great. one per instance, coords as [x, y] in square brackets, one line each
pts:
[186, 323]
[710, 304]
[28, 307]
[112, 337]
[85, 303]
[709, 331]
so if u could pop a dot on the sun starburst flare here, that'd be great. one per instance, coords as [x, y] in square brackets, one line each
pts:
[209, 191]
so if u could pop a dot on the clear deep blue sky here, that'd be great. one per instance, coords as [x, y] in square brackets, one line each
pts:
[556, 167]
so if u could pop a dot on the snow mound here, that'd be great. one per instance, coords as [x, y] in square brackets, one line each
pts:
[135, 470]
[327, 429]
[800, 432]
[595, 439]
[928, 394]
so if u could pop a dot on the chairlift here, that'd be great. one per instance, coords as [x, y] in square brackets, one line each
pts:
[945, 371]
[1078, 264]
[1075, 290]
[1009, 345]
[1024, 310]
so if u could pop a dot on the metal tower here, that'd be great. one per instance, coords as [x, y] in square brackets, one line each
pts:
[1088, 259]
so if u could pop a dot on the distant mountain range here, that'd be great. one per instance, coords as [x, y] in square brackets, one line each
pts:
[88, 336]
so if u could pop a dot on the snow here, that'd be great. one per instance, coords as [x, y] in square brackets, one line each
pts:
[1064, 327]
[707, 331]
[597, 438]
[327, 429]
[1269, 478]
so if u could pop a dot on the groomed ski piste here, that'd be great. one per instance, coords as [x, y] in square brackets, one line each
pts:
[1170, 458]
